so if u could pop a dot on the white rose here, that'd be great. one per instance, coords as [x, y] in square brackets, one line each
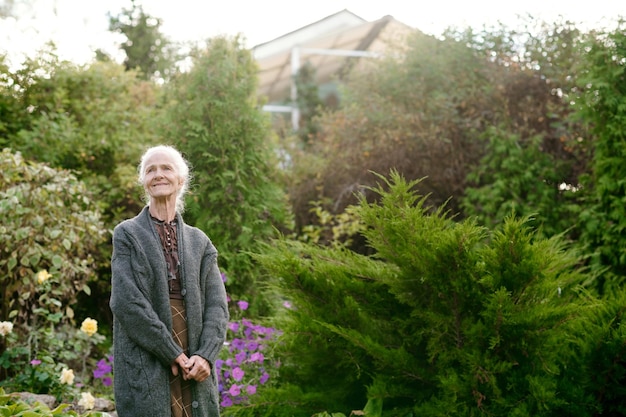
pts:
[87, 401]
[67, 376]
[6, 327]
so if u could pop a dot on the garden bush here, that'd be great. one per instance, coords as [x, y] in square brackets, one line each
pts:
[51, 227]
[447, 318]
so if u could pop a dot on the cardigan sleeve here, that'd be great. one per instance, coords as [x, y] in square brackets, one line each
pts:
[130, 302]
[215, 314]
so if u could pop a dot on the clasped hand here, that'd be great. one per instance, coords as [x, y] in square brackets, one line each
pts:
[195, 367]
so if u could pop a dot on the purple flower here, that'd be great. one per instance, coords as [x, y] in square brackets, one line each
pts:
[239, 344]
[241, 356]
[287, 304]
[234, 390]
[35, 362]
[226, 401]
[107, 381]
[257, 357]
[223, 277]
[264, 378]
[243, 359]
[238, 374]
[102, 368]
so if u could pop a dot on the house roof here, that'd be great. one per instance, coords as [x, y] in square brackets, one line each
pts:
[342, 31]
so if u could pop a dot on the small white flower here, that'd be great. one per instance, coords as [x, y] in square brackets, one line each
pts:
[67, 376]
[87, 401]
[6, 327]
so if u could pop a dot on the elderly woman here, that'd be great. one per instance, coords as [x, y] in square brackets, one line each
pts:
[168, 302]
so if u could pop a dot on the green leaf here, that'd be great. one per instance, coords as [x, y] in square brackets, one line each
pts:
[374, 407]
[56, 302]
[67, 244]
[59, 410]
[12, 263]
[57, 261]
[34, 260]
[30, 414]
[56, 317]
[55, 233]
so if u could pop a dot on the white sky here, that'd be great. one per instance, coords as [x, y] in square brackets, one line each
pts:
[80, 26]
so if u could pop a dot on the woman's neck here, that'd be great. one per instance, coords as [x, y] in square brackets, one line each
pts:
[162, 210]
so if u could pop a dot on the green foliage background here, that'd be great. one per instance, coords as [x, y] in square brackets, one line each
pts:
[495, 290]
[602, 105]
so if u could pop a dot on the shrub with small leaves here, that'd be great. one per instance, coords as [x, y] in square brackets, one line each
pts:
[50, 229]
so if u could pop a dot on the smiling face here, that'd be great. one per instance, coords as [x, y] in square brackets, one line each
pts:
[160, 178]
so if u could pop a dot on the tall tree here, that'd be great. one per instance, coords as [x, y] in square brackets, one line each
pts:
[147, 48]
[603, 105]
[94, 120]
[533, 157]
[215, 120]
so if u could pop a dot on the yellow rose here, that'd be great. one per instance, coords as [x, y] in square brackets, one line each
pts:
[43, 276]
[87, 401]
[89, 326]
[67, 376]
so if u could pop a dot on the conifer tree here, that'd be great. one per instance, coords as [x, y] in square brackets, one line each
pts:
[446, 319]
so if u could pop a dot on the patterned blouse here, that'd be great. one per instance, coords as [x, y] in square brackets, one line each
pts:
[169, 241]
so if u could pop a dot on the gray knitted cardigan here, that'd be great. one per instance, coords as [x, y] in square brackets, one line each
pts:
[143, 347]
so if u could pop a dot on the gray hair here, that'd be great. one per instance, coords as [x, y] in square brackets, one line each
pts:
[181, 166]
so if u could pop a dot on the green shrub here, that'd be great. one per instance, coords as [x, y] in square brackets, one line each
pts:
[446, 319]
[51, 227]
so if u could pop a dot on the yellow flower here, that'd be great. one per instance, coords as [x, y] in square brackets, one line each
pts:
[87, 401]
[89, 326]
[67, 376]
[43, 276]
[6, 327]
